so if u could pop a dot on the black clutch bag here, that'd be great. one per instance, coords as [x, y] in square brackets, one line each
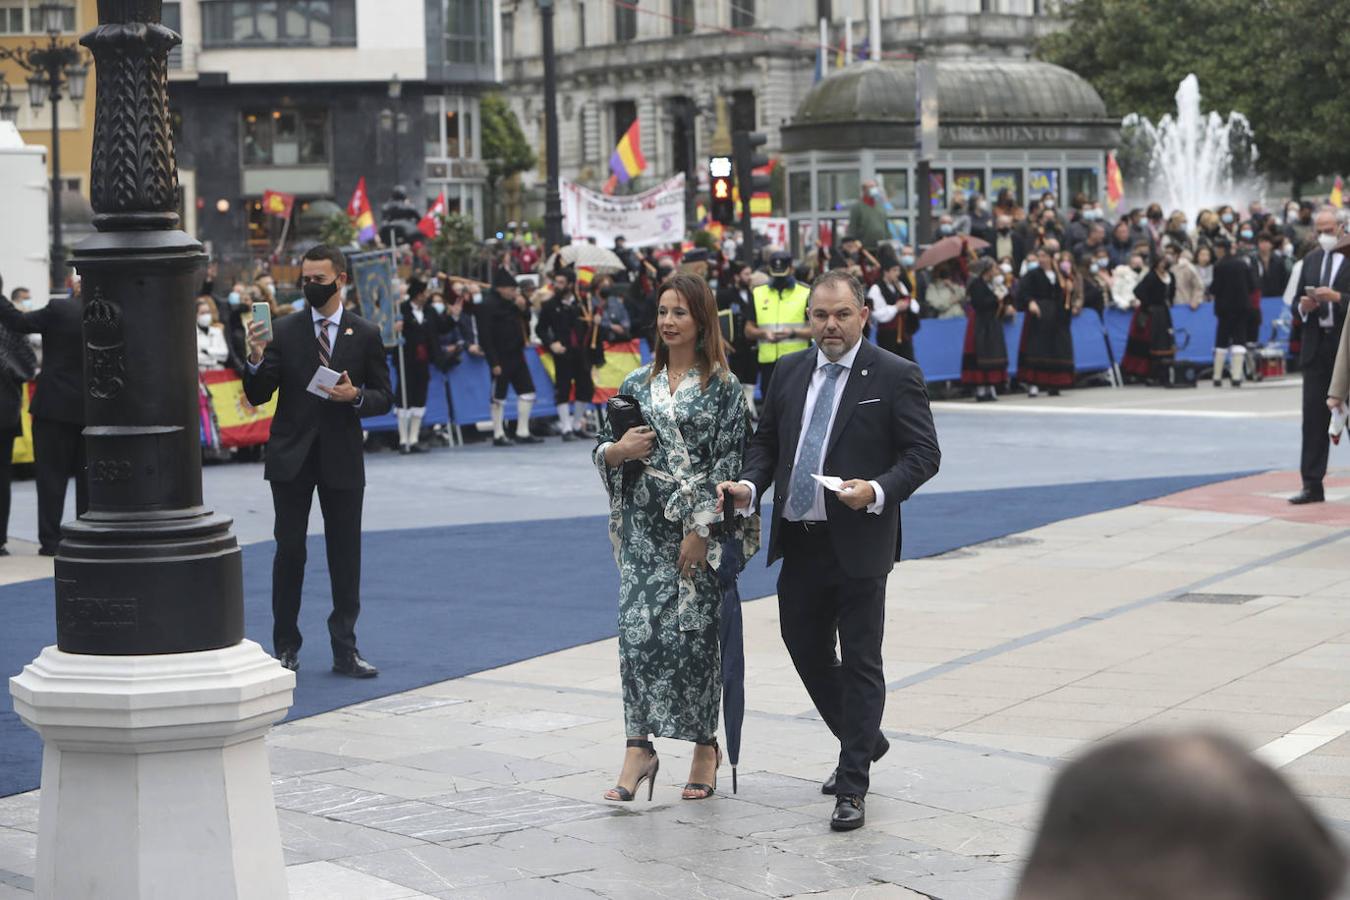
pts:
[625, 413]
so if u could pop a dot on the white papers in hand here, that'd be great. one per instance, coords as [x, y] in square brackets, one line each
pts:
[830, 482]
[323, 377]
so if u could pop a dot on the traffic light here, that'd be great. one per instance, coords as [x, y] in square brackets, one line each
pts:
[719, 181]
[745, 146]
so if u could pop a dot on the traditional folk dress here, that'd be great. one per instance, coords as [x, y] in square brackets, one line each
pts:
[1045, 356]
[984, 360]
[669, 660]
[1151, 344]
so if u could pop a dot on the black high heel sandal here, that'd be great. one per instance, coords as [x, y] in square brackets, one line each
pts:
[708, 789]
[648, 774]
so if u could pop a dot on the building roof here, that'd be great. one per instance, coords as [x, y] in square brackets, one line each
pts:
[985, 90]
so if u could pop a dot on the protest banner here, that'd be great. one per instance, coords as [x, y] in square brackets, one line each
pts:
[655, 216]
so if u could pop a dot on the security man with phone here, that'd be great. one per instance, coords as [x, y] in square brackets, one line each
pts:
[316, 443]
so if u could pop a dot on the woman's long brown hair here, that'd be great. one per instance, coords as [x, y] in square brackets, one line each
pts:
[698, 297]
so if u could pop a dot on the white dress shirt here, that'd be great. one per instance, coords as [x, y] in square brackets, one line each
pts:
[817, 512]
[883, 312]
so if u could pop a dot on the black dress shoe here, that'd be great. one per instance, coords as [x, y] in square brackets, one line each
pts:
[289, 659]
[1308, 495]
[354, 666]
[503, 441]
[529, 439]
[882, 746]
[849, 813]
[47, 551]
[4, 551]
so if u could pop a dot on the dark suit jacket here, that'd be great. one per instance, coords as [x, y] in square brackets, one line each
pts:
[1319, 344]
[302, 418]
[60, 383]
[891, 442]
[1232, 286]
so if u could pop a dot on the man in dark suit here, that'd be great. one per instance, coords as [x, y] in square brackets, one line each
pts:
[316, 443]
[842, 408]
[1323, 288]
[57, 410]
[18, 365]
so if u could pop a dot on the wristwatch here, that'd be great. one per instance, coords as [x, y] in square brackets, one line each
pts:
[702, 531]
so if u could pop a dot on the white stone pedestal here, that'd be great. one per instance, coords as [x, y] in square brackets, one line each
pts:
[155, 781]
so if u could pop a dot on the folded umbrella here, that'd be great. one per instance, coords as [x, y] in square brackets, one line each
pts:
[948, 248]
[733, 650]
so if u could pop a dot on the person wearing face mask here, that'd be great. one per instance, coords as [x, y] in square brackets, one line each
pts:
[420, 328]
[1322, 292]
[1120, 247]
[984, 356]
[565, 327]
[1006, 242]
[1045, 357]
[1176, 233]
[1151, 347]
[867, 217]
[894, 309]
[212, 349]
[981, 219]
[316, 444]
[780, 317]
[946, 225]
[1190, 287]
[1204, 264]
[1093, 288]
[1232, 287]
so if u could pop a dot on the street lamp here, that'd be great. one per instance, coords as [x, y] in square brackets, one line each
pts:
[553, 215]
[9, 110]
[53, 67]
[395, 120]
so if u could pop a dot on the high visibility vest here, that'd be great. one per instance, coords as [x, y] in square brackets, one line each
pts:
[782, 310]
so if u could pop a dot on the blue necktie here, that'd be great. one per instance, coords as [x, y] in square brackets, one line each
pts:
[802, 491]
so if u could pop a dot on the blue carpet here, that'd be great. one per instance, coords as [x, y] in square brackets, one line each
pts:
[446, 602]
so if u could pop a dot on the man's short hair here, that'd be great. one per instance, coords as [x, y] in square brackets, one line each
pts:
[20, 290]
[1178, 817]
[321, 252]
[839, 276]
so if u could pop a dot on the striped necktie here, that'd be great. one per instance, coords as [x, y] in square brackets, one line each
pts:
[802, 487]
[325, 348]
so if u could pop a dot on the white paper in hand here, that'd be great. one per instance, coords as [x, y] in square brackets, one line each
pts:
[1337, 425]
[830, 482]
[323, 377]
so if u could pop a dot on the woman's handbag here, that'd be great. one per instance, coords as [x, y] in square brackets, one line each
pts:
[625, 413]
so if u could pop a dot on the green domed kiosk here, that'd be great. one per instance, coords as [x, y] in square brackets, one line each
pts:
[1020, 124]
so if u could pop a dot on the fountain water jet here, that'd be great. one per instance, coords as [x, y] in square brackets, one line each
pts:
[1191, 158]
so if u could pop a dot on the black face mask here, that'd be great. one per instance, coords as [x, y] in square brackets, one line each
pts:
[782, 282]
[317, 295]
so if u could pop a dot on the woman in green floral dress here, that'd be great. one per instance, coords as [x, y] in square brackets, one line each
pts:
[663, 516]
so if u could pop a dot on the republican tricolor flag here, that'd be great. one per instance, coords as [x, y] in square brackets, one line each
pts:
[627, 161]
[431, 222]
[359, 211]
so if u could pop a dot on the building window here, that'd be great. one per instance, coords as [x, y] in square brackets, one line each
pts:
[172, 17]
[682, 16]
[24, 17]
[508, 35]
[987, 6]
[468, 32]
[279, 23]
[742, 13]
[625, 21]
[286, 137]
[581, 24]
[743, 111]
[449, 126]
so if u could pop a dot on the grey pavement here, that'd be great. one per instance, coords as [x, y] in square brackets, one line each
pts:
[1003, 659]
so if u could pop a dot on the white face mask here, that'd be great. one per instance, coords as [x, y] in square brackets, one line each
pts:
[204, 320]
[1005, 268]
[1326, 241]
[439, 307]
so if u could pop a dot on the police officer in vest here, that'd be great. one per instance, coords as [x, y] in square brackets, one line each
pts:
[780, 317]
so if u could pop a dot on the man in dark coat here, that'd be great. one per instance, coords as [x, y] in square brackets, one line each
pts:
[1232, 287]
[57, 409]
[736, 304]
[843, 408]
[18, 365]
[565, 328]
[1323, 289]
[316, 443]
[503, 330]
[421, 328]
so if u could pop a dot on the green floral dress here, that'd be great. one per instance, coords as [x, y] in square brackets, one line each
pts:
[669, 660]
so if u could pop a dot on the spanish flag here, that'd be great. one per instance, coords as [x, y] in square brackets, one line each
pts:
[627, 161]
[1115, 185]
[359, 211]
[1337, 197]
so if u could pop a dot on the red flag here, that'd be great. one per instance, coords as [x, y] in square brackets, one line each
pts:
[278, 204]
[431, 222]
[359, 211]
[1115, 185]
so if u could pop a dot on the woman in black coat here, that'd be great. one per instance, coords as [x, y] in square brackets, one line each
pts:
[984, 360]
[1151, 345]
[1045, 357]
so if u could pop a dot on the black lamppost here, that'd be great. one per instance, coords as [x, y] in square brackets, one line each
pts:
[53, 67]
[553, 216]
[395, 120]
[9, 110]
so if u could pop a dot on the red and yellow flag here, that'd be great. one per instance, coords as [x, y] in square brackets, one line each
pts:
[241, 423]
[1115, 185]
[275, 203]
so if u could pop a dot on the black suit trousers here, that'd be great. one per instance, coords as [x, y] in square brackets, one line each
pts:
[7, 437]
[341, 509]
[816, 602]
[1316, 420]
[58, 454]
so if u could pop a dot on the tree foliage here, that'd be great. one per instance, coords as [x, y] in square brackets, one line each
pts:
[456, 242]
[504, 146]
[1275, 61]
[338, 231]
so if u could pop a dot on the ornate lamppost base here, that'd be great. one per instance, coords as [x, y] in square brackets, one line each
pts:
[155, 780]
